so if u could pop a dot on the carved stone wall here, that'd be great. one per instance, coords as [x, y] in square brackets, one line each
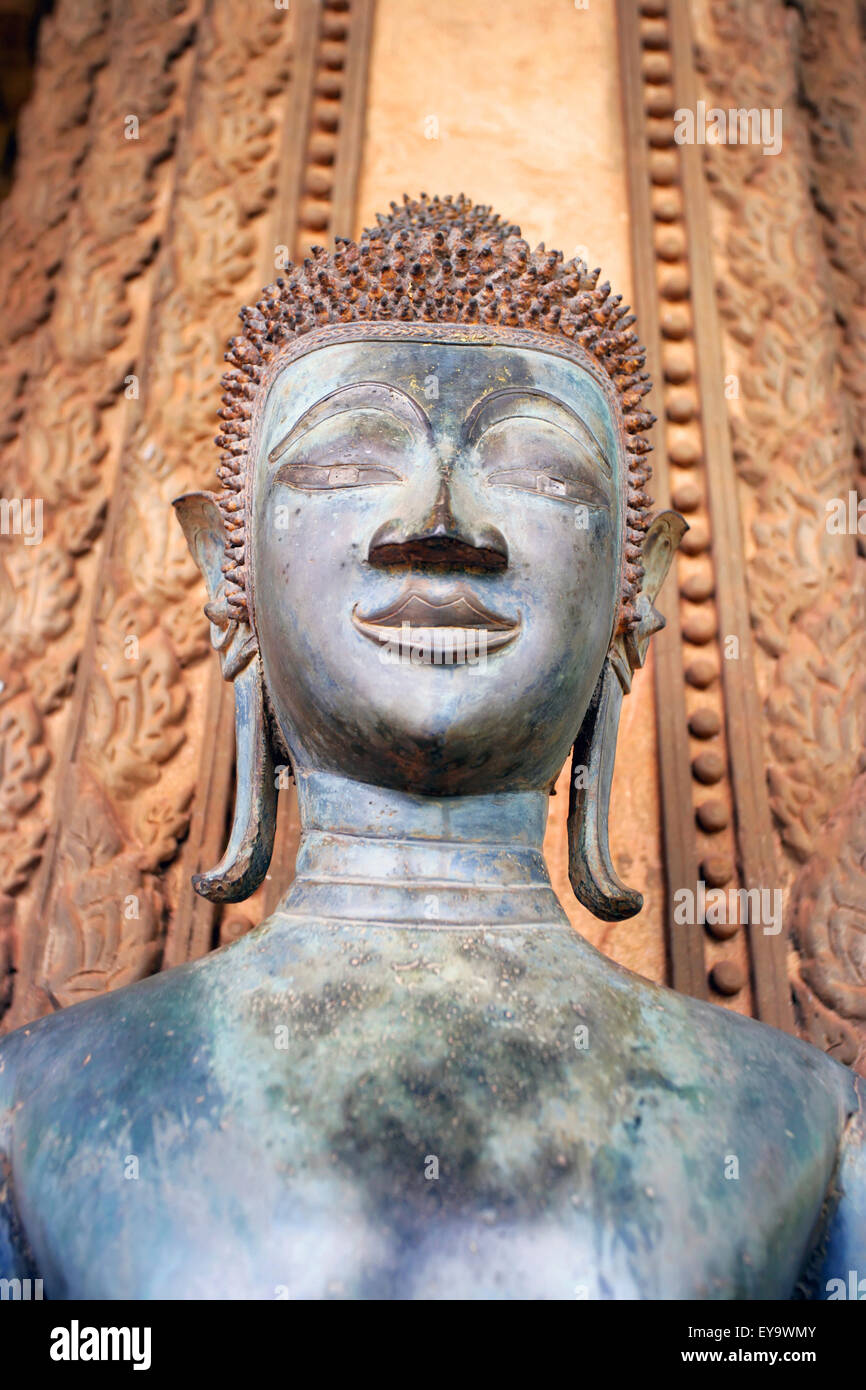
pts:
[81, 230]
[173, 155]
[790, 258]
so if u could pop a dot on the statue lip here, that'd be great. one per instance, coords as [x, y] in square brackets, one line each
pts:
[414, 614]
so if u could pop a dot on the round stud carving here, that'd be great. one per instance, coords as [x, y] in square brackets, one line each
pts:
[677, 365]
[716, 870]
[656, 67]
[654, 34]
[659, 102]
[708, 767]
[684, 450]
[681, 407]
[701, 673]
[664, 167]
[695, 541]
[674, 283]
[687, 497]
[660, 134]
[700, 586]
[666, 204]
[712, 816]
[728, 977]
[700, 627]
[704, 723]
[675, 322]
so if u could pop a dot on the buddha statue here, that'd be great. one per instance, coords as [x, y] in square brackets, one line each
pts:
[431, 575]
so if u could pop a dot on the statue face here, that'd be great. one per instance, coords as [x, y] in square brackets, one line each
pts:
[435, 536]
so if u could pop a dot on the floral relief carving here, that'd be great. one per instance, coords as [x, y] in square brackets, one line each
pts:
[792, 293]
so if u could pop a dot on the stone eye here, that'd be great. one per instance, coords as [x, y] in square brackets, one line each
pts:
[323, 477]
[580, 491]
[537, 456]
[357, 448]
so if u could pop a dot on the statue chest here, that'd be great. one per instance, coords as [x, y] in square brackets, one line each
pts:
[442, 1120]
[411, 1187]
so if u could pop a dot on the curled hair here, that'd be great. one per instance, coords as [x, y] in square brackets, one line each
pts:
[435, 260]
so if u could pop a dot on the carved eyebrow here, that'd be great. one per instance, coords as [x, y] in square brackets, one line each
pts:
[503, 405]
[374, 395]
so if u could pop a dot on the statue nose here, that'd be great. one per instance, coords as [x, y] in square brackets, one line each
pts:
[441, 541]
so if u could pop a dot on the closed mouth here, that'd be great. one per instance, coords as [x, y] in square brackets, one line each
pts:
[451, 627]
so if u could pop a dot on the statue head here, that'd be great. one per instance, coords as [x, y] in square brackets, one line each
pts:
[430, 566]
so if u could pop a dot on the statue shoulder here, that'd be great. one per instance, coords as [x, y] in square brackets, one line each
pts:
[788, 1094]
[16, 1261]
[98, 1038]
[740, 1054]
[838, 1268]
[813, 1114]
[10, 1067]
[40, 1051]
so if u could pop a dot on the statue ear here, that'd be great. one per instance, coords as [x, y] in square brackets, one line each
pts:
[593, 877]
[251, 843]
[202, 522]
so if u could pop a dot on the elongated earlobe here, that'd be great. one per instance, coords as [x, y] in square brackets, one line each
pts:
[593, 877]
[251, 844]
[202, 524]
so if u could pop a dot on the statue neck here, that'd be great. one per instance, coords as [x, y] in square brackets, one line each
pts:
[368, 854]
